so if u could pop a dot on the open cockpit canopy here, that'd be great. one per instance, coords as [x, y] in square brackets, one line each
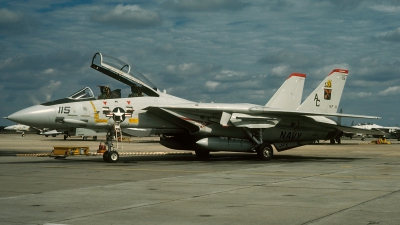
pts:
[123, 72]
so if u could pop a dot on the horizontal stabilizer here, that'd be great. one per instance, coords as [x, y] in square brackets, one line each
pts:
[359, 130]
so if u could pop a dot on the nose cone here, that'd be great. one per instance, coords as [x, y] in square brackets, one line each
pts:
[9, 128]
[37, 115]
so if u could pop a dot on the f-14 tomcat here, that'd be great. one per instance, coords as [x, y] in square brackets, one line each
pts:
[187, 125]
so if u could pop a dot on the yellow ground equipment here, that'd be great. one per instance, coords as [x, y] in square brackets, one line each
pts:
[64, 151]
[381, 141]
[102, 148]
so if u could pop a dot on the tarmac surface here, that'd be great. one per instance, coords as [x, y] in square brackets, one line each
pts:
[350, 183]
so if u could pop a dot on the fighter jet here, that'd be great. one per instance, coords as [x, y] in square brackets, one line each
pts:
[23, 128]
[20, 128]
[188, 125]
[389, 132]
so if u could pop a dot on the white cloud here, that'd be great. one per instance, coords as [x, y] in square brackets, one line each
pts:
[166, 48]
[364, 94]
[13, 22]
[393, 35]
[230, 75]
[390, 91]
[7, 16]
[44, 93]
[280, 71]
[184, 68]
[212, 85]
[48, 71]
[205, 5]
[49, 89]
[386, 8]
[327, 69]
[130, 16]
[190, 69]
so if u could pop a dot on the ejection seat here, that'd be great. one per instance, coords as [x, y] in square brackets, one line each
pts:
[106, 93]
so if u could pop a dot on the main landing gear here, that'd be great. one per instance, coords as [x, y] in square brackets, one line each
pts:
[265, 151]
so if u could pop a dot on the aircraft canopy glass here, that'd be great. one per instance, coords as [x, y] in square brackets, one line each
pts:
[82, 94]
[124, 73]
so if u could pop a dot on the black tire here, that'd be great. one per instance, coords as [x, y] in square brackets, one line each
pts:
[332, 141]
[265, 152]
[65, 137]
[113, 157]
[202, 154]
[105, 156]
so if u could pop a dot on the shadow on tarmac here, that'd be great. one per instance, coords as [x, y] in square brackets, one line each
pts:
[214, 158]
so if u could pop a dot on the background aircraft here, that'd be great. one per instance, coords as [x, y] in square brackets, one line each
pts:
[24, 128]
[19, 128]
[389, 132]
[183, 124]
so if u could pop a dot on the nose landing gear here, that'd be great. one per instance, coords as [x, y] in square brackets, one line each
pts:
[111, 155]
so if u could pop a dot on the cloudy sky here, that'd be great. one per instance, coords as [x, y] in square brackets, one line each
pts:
[232, 51]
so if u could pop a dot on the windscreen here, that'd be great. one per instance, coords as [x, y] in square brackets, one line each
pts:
[82, 94]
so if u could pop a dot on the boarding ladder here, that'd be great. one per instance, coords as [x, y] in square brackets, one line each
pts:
[118, 133]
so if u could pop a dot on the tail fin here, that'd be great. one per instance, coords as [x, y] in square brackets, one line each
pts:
[288, 96]
[326, 97]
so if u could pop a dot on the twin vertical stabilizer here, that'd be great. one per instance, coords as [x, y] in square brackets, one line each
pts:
[326, 97]
[288, 96]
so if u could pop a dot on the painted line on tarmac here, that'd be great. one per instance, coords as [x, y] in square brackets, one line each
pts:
[36, 155]
[101, 154]
[148, 153]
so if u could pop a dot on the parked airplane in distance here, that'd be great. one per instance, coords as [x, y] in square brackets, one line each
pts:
[389, 132]
[20, 128]
[188, 125]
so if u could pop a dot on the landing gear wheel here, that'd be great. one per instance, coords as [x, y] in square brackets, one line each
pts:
[65, 137]
[202, 154]
[105, 156]
[265, 152]
[113, 157]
